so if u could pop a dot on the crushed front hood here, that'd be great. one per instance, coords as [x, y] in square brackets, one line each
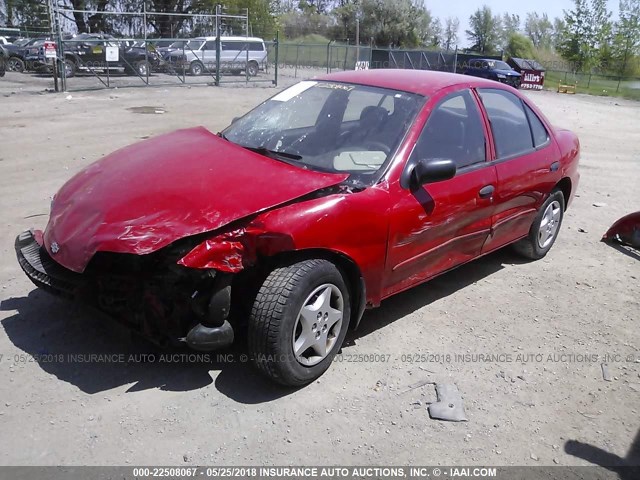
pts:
[150, 194]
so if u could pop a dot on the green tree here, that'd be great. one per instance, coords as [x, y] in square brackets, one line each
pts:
[450, 34]
[539, 29]
[626, 39]
[484, 31]
[519, 46]
[399, 23]
[587, 33]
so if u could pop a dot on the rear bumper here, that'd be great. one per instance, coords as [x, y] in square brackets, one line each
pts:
[47, 274]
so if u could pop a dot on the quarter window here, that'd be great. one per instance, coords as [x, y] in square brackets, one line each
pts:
[453, 131]
[539, 133]
[509, 123]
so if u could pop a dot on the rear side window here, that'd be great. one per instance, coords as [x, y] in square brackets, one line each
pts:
[509, 122]
[539, 133]
[454, 132]
[242, 46]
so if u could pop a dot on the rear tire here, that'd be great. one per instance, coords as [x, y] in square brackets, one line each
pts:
[544, 230]
[69, 68]
[252, 69]
[298, 321]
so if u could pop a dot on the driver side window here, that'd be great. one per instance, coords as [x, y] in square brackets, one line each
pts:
[454, 132]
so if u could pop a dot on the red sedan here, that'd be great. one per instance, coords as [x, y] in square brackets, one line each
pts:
[324, 200]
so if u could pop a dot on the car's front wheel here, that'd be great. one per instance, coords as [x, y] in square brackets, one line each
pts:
[14, 64]
[142, 68]
[545, 228]
[196, 68]
[298, 321]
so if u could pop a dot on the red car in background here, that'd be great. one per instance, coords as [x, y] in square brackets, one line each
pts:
[324, 200]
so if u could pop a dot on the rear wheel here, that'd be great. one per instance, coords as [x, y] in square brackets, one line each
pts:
[69, 68]
[252, 69]
[14, 64]
[298, 321]
[545, 228]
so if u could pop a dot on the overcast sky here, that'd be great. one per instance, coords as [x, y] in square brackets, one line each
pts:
[464, 8]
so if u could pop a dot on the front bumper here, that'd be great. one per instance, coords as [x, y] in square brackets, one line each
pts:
[42, 270]
[47, 274]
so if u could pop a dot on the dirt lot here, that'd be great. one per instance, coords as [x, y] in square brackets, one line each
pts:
[562, 314]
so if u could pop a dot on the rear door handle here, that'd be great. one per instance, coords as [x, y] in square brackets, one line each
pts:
[486, 191]
[554, 167]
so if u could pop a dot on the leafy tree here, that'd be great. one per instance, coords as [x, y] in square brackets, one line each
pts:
[395, 23]
[539, 29]
[587, 33]
[485, 30]
[450, 34]
[626, 39]
[519, 46]
[559, 29]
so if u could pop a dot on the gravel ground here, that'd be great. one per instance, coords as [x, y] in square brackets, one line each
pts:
[544, 401]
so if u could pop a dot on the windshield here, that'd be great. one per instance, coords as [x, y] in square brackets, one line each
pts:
[329, 126]
[498, 65]
[192, 44]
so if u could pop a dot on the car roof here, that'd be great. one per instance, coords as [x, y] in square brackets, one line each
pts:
[423, 82]
[223, 38]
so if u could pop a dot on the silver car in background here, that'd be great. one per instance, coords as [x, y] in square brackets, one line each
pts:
[238, 54]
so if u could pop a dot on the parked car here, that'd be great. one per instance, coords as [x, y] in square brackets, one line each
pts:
[86, 52]
[179, 45]
[324, 200]
[18, 54]
[493, 70]
[238, 54]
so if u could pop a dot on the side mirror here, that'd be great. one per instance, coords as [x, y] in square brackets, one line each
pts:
[431, 171]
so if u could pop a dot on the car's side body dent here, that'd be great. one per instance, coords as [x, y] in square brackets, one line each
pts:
[342, 223]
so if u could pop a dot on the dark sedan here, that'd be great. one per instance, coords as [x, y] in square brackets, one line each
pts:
[493, 70]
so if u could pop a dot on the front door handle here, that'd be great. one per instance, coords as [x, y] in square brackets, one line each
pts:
[486, 191]
[554, 167]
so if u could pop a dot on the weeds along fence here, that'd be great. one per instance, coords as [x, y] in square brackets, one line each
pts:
[595, 84]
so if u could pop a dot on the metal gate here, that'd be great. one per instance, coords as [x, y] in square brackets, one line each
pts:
[96, 60]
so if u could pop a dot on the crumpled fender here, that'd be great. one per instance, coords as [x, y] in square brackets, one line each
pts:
[625, 231]
[237, 249]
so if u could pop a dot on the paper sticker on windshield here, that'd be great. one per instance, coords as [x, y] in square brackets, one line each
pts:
[291, 92]
[336, 86]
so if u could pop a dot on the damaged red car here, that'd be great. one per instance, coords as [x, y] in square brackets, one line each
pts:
[321, 202]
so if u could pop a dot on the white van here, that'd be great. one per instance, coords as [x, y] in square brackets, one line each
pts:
[238, 54]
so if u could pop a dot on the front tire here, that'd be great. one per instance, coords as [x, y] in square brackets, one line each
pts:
[196, 68]
[15, 64]
[298, 321]
[544, 230]
[142, 68]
